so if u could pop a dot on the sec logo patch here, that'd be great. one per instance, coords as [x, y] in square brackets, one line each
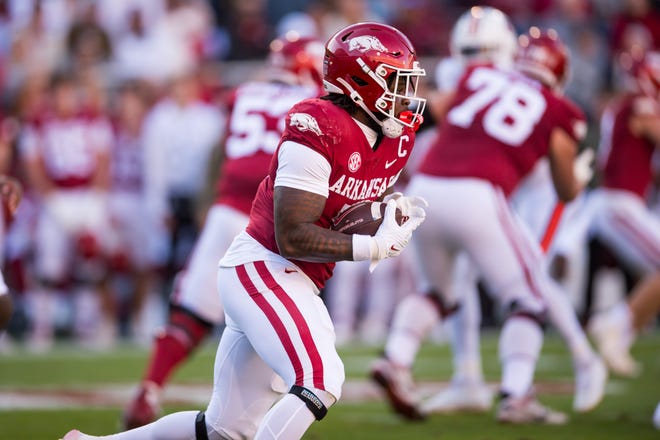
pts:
[354, 162]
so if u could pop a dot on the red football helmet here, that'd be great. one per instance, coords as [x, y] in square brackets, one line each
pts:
[375, 65]
[297, 59]
[543, 56]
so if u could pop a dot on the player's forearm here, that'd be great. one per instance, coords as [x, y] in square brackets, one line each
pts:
[310, 242]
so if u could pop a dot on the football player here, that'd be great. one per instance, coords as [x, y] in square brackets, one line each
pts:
[347, 146]
[619, 213]
[66, 153]
[500, 123]
[256, 120]
[473, 41]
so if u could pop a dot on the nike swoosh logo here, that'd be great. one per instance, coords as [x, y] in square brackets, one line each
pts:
[289, 270]
[389, 164]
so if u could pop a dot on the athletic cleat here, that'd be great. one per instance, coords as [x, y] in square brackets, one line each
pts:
[144, 408]
[590, 382]
[527, 410]
[398, 385]
[459, 396]
[613, 338]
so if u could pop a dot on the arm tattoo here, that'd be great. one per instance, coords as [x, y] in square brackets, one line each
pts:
[295, 212]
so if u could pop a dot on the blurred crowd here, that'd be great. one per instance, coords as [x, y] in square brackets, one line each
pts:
[110, 112]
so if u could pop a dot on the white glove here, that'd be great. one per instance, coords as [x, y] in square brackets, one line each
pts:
[406, 203]
[390, 239]
[582, 166]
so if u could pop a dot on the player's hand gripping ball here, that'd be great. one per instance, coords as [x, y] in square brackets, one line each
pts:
[363, 218]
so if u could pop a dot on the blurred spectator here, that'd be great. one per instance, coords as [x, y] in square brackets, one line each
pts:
[168, 48]
[180, 132]
[113, 14]
[638, 23]
[344, 12]
[35, 50]
[426, 24]
[133, 266]
[57, 13]
[578, 27]
[66, 155]
[246, 23]
[88, 43]
[135, 54]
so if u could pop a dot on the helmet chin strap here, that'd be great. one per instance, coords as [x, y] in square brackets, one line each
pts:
[390, 127]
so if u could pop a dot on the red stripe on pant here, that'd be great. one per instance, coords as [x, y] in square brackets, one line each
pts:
[299, 320]
[274, 320]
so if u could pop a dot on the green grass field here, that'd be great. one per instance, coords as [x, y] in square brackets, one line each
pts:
[625, 414]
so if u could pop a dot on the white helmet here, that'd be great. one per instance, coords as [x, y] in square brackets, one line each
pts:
[485, 34]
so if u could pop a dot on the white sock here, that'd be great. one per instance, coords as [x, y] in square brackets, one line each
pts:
[289, 418]
[413, 319]
[465, 342]
[520, 344]
[176, 426]
[562, 315]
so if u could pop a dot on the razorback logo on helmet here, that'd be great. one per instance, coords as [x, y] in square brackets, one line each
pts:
[305, 122]
[364, 43]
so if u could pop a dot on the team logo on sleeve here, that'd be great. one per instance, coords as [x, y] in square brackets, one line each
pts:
[305, 122]
[354, 162]
[364, 43]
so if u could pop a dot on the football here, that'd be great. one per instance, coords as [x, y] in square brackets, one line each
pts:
[362, 218]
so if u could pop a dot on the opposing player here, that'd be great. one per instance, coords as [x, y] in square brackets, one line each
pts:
[620, 216]
[348, 146]
[256, 120]
[499, 125]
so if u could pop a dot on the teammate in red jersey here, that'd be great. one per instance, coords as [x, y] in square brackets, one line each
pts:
[256, 120]
[346, 147]
[619, 213]
[500, 123]
[485, 35]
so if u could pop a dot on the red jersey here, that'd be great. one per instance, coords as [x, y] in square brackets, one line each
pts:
[498, 127]
[68, 147]
[626, 158]
[357, 171]
[255, 124]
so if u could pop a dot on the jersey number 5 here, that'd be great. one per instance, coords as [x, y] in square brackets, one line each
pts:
[515, 110]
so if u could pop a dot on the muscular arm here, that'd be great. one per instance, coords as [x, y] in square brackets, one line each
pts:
[295, 212]
[562, 155]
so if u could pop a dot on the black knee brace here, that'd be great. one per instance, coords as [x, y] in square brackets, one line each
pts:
[516, 309]
[443, 307]
[312, 402]
[200, 427]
